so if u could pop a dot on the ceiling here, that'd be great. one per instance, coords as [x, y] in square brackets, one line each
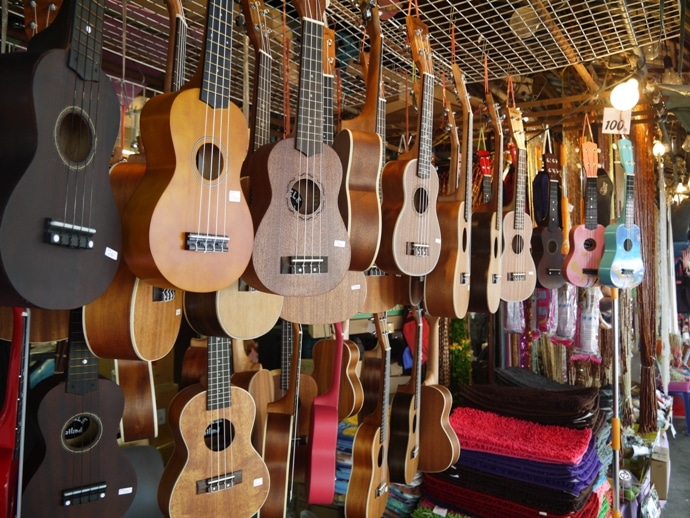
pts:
[562, 55]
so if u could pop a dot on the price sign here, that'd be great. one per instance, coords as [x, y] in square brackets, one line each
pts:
[616, 121]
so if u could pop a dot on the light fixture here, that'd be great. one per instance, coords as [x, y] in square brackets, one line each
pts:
[625, 95]
[658, 149]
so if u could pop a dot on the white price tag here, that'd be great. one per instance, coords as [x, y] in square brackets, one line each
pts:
[616, 121]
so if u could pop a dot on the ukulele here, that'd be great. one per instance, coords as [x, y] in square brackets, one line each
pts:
[367, 491]
[547, 241]
[487, 238]
[12, 415]
[140, 414]
[59, 226]
[447, 287]
[517, 265]
[75, 467]
[213, 466]
[283, 424]
[411, 238]
[621, 265]
[361, 152]
[187, 225]
[586, 240]
[439, 446]
[323, 431]
[301, 244]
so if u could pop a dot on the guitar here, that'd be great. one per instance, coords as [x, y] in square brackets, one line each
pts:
[301, 244]
[12, 415]
[621, 265]
[447, 287]
[439, 447]
[361, 152]
[75, 467]
[519, 279]
[547, 241]
[411, 238]
[187, 225]
[140, 415]
[59, 225]
[586, 241]
[283, 427]
[214, 465]
[323, 432]
[367, 491]
[487, 238]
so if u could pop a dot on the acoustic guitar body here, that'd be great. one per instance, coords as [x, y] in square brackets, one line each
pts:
[301, 246]
[447, 287]
[351, 396]
[360, 153]
[188, 225]
[439, 447]
[621, 263]
[403, 454]
[77, 450]
[369, 457]
[485, 288]
[546, 250]
[203, 453]
[411, 237]
[277, 454]
[140, 416]
[518, 272]
[581, 264]
[56, 137]
[260, 386]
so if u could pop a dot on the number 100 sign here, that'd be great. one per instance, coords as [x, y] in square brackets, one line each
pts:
[616, 121]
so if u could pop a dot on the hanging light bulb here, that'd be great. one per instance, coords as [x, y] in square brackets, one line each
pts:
[658, 149]
[625, 95]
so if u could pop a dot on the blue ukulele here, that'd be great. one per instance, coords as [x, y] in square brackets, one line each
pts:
[621, 265]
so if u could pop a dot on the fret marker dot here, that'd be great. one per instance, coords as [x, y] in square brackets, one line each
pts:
[88, 29]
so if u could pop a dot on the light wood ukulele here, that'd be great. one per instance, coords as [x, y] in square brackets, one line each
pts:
[367, 492]
[411, 238]
[188, 225]
[214, 466]
[517, 265]
[447, 287]
[439, 446]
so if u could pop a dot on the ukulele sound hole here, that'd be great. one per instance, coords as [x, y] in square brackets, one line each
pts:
[517, 244]
[305, 197]
[627, 245]
[219, 435]
[74, 134]
[81, 433]
[552, 247]
[590, 244]
[421, 200]
[209, 162]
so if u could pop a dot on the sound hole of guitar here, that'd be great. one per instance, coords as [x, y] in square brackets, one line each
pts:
[421, 200]
[74, 137]
[590, 244]
[209, 162]
[495, 248]
[464, 239]
[305, 197]
[219, 435]
[81, 432]
[552, 246]
[627, 245]
[379, 459]
[517, 243]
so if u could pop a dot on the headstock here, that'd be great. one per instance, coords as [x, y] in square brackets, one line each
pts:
[257, 29]
[371, 18]
[496, 121]
[39, 14]
[311, 9]
[461, 87]
[552, 166]
[625, 154]
[328, 51]
[590, 163]
[418, 34]
[516, 128]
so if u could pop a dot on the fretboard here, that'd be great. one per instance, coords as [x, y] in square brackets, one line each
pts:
[629, 200]
[328, 112]
[82, 365]
[262, 118]
[591, 203]
[520, 188]
[309, 125]
[179, 54]
[215, 85]
[219, 372]
[425, 129]
[554, 208]
[86, 40]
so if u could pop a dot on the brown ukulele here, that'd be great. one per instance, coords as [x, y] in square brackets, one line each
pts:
[518, 270]
[214, 465]
[487, 238]
[439, 446]
[361, 151]
[301, 244]
[188, 225]
[447, 287]
[367, 492]
[411, 238]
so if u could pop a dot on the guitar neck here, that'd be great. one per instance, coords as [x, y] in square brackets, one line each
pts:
[310, 113]
[86, 39]
[261, 126]
[629, 208]
[520, 195]
[82, 366]
[328, 109]
[591, 221]
[424, 127]
[554, 208]
[218, 394]
[177, 54]
[215, 83]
